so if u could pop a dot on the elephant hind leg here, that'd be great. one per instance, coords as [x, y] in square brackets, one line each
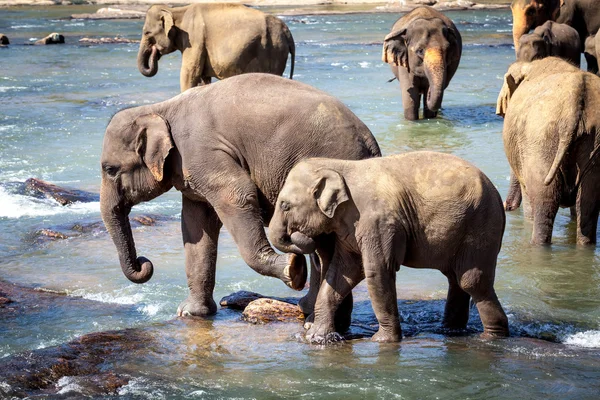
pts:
[588, 209]
[456, 313]
[514, 196]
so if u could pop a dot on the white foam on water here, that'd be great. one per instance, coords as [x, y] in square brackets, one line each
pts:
[364, 64]
[139, 387]
[26, 26]
[67, 386]
[150, 309]
[108, 297]
[590, 339]
[17, 206]
[4, 89]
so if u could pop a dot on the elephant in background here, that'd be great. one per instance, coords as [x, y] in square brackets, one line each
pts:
[551, 130]
[550, 39]
[583, 15]
[423, 50]
[592, 48]
[420, 209]
[216, 41]
[227, 148]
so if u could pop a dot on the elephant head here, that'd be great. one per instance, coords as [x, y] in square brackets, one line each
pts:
[423, 47]
[306, 208]
[133, 160]
[516, 74]
[158, 37]
[533, 47]
[527, 14]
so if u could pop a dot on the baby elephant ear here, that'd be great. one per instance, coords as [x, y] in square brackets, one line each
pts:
[153, 142]
[167, 20]
[508, 88]
[330, 191]
[394, 49]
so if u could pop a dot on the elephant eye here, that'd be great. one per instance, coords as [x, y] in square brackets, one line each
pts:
[420, 52]
[285, 206]
[111, 170]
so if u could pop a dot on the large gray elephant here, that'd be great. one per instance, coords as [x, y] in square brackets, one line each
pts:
[420, 209]
[550, 39]
[216, 41]
[227, 148]
[551, 135]
[423, 50]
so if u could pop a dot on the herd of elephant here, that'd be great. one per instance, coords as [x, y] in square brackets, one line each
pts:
[258, 150]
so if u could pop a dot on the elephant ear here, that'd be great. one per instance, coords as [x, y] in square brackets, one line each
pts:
[329, 191]
[167, 20]
[395, 51]
[154, 142]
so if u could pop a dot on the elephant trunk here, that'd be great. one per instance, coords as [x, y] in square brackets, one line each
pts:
[116, 218]
[148, 60]
[520, 27]
[435, 71]
[297, 242]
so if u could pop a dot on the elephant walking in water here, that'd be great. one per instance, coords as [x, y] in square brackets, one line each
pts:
[424, 50]
[551, 135]
[227, 148]
[216, 41]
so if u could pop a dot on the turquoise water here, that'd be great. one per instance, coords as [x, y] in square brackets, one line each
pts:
[55, 102]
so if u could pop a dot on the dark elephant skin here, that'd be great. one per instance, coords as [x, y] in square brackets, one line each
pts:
[423, 50]
[592, 48]
[551, 130]
[550, 40]
[583, 15]
[419, 209]
[227, 148]
[216, 41]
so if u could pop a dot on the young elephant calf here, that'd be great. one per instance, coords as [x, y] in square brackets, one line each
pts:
[421, 210]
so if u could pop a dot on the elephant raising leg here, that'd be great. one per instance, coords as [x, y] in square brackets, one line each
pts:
[456, 313]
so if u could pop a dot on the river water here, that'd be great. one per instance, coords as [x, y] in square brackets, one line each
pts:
[55, 103]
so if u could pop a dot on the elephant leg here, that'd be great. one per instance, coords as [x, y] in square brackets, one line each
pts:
[343, 275]
[427, 113]
[479, 284]
[526, 202]
[514, 196]
[236, 203]
[319, 262]
[200, 227]
[205, 80]
[592, 63]
[588, 209]
[192, 66]
[410, 96]
[545, 202]
[456, 313]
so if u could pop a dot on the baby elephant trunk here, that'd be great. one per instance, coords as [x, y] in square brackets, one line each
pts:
[435, 71]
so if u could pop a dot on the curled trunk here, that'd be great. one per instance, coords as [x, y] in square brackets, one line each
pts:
[435, 71]
[116, 219]
[148, 60]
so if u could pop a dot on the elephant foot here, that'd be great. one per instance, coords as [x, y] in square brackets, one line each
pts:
[306, 305]
[510, 205]
[322, 335]
[193, 308]
[383, 336]
[494, 335]
[309, 321]
[295, 272]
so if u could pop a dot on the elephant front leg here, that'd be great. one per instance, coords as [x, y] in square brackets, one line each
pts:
[514, 196]
[200, 227]
[192, 67]
[410, 95]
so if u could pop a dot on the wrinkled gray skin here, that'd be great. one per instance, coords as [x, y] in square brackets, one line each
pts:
[227, 148]
[423, 50]
[592, 48]
[551, 131]
[420, 209]
[216, 41]
[550, 39]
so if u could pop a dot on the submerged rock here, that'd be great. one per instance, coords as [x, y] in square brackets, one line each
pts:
[4, 40]
[39, 188]
[53, 38]
[105, 40]
[266, 310]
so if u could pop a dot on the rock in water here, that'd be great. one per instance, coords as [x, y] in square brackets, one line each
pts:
[265, 310]
[4, 40]
[240, 300]
[53, 38]
[38, 188]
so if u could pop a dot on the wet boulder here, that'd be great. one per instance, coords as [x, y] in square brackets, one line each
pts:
[4, 40]
[267, 310]
[39, 188]
[53, 38]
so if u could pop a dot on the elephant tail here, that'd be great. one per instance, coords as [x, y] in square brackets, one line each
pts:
[563, 148]
[292, 47]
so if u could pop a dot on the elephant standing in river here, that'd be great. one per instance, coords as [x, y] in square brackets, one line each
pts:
[216, 41]
[583, 15]
[423, 50]
[227, 148]
[550, 40]
[551, 135]
[420, 209]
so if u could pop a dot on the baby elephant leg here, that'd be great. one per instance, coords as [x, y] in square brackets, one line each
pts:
[479, 283]
[456, 313]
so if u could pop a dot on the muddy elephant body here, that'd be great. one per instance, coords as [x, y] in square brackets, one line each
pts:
[216, 41]
[550, 40]
[227, 148]
[423, 50]
[420, 209]
[551, 130]
[582, 15]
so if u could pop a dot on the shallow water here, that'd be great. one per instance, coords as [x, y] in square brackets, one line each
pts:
[56, 102]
